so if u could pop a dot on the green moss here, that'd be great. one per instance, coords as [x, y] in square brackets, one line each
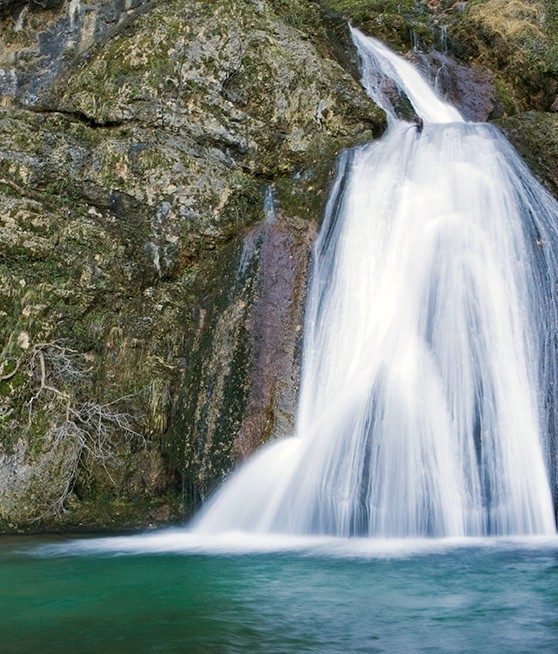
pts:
[518, 41]
[209, 410]
[398, 22]
[37, 427]
[243, 205]
[12, 385]
[304, 193]
[535, 135]
[504, 95]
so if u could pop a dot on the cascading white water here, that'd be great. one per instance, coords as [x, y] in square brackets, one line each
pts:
[429, 363]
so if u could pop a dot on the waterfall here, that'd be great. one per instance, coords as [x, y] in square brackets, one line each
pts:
[429, 365]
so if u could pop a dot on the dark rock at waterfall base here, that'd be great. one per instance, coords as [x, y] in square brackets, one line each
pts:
[242, 386]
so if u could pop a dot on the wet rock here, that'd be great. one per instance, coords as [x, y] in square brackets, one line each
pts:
[471, 90]
[242, 387]
[42, 40]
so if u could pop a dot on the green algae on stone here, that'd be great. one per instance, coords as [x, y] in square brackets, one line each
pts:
[403, 24]
[124, 193]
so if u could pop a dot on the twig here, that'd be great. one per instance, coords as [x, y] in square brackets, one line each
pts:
[11, 374]
[26, 191]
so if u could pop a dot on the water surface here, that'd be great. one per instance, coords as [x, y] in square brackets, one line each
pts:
[172, 593]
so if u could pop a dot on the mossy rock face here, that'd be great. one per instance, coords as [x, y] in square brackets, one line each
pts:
[129, 184]
[518, 41]
[535, 136]
[403, 24]
[259, 88]
[42, 40]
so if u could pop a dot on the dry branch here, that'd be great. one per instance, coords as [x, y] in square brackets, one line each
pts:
[56, 371]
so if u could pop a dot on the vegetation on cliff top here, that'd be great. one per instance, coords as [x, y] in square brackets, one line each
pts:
[518, 41]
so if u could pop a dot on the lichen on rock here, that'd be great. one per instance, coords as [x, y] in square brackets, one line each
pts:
[130, 176]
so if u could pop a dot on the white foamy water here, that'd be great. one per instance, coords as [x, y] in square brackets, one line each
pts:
[181, 542]
[378, 64]
[429, 347]
[429, 364]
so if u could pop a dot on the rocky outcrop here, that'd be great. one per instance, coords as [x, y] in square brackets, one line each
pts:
[404, 24]
[535, 135]
[150, 304]
[518, 41]
[150, 315]
[44, 40]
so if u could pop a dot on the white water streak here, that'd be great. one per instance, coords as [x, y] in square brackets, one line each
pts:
[379, 63]
[429, 355]
[180, 542]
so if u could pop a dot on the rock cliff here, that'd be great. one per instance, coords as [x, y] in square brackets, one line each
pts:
[150, 314]
[163, 170]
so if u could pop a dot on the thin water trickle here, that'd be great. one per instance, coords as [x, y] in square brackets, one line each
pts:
[252, 243]
[444, 39]
[430, 342]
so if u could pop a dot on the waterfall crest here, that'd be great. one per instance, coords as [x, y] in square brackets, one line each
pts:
[429, 363]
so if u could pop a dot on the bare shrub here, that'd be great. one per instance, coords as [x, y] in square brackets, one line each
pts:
[56, 374]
